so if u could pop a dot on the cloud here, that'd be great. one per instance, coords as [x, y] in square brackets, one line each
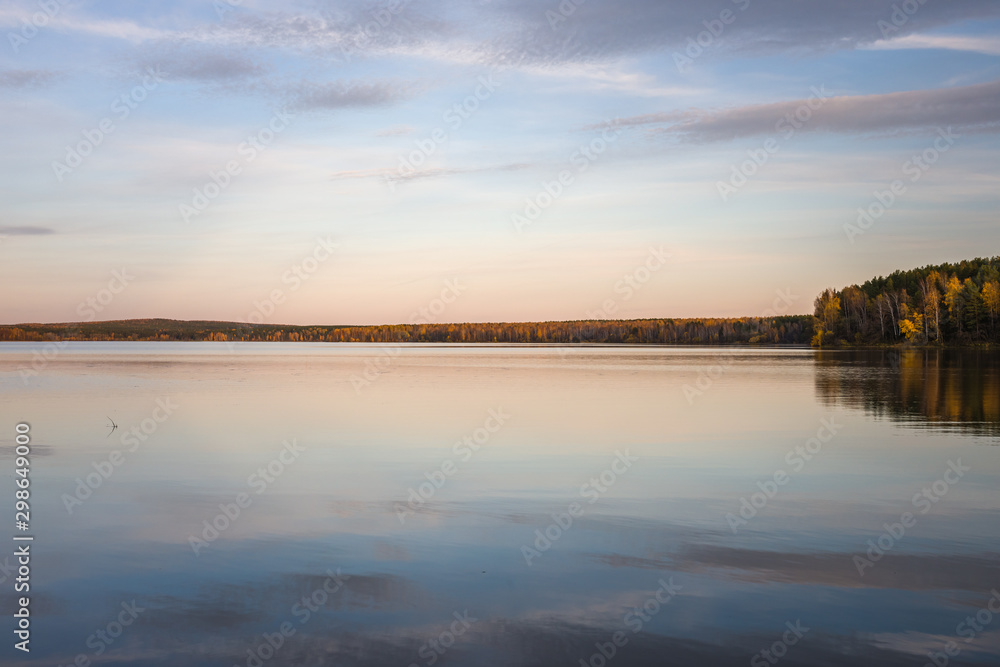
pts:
[25, 230]
[971, 108]
[348, 94]
[435, 172]
[345, 31]
[234, 72]
[529, 34]
[118, 29]
[429, 172]
[352, 174]
[26, 78]
[195, 63]
[646, 119]
[597, 78]
[526, 33]
[598, 30]
[396, 131]
[72, 21]
[986, 45]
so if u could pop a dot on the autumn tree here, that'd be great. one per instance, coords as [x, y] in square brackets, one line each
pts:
[913, 328]
[826, 314]
[953, 300]
[991, 302]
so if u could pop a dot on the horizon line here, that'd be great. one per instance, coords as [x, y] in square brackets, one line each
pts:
[405, 324]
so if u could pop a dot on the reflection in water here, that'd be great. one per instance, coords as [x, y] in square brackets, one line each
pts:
[324, 553]
[940, 389]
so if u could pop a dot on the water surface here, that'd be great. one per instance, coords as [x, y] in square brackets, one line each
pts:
[399, 525]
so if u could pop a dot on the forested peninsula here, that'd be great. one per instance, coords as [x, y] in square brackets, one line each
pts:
[947, 304]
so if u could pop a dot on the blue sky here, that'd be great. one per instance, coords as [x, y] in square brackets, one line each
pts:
[428, 141]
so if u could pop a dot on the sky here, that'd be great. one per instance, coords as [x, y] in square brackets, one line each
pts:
[336, 162]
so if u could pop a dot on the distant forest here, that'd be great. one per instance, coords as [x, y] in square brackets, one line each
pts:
[948, 305]
[789, 330]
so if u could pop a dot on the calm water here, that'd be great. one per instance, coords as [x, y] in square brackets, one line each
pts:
[692, 505]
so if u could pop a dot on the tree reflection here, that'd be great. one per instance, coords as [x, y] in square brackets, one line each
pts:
[935, 388]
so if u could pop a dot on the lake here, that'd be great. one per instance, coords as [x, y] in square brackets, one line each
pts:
[322, 504]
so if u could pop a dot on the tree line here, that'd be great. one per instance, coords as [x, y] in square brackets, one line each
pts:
[944, 304]
[781, 330]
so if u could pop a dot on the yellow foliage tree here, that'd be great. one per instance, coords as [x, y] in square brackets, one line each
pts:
[991, 300]
[912, 329]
